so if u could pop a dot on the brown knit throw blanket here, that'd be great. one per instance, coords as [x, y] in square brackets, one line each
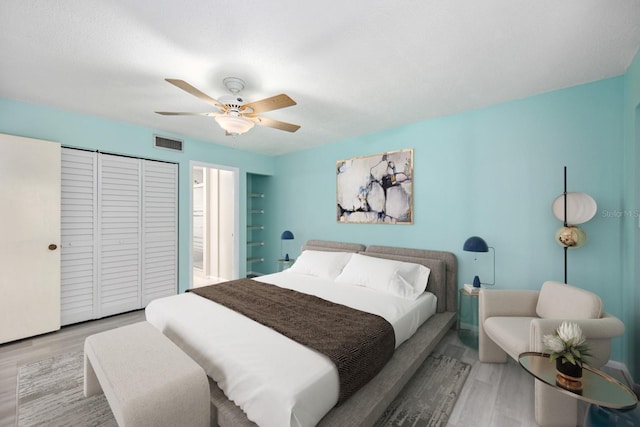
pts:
[358, 343]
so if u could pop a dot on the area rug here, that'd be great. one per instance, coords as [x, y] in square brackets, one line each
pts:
[50, 393]
[428, 399]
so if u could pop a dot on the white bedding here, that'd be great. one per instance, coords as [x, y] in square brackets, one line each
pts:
[276, 381]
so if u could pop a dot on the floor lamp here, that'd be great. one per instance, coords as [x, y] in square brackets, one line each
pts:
[571, 209]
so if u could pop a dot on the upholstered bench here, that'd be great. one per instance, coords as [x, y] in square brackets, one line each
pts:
[147, 379]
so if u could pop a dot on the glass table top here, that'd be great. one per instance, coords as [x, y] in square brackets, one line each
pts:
[597, 387]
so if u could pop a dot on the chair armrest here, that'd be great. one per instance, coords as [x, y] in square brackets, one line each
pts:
[598, 332]
[499, 302]
[605, 327]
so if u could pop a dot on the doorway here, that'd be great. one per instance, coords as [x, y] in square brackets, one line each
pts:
[214, 230]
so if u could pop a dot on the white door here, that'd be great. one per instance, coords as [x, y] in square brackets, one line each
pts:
[119, 233]
[30, 236]
[78, 258]
[120, 236]
[159, 230]
[226, 224]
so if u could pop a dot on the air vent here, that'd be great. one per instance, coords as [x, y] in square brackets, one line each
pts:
[167, 144]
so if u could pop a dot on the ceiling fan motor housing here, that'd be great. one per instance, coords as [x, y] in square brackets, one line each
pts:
[234, 84]
[234, 103]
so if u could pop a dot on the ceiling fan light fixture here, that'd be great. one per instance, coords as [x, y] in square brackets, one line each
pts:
[234, 125]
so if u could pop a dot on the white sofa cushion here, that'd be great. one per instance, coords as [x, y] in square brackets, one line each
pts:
[560, 301]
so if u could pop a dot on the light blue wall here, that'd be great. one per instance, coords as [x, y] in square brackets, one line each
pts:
[492, 172]
[631, 242]
[84, 131]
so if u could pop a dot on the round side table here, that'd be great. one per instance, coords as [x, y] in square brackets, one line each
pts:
[598, 388]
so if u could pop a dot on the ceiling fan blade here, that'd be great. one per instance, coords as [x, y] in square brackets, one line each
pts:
[270, 104]
[195, 92]
[266, 121]
[177, 113]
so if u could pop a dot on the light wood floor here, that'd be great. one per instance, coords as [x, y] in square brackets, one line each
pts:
[69, 338]
[494, 395]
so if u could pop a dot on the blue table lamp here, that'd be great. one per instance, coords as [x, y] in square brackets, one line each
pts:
[477, 244]
[286, 235]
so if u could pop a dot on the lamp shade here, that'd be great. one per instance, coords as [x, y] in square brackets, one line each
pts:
[286, 235]
[475, 244]
[235, 125]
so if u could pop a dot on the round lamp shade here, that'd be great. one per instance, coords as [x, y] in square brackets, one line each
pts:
[580, 208]
[286, 235]
[571, 237]
[475, 244]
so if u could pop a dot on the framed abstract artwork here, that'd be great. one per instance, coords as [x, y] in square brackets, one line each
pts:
[376, 189]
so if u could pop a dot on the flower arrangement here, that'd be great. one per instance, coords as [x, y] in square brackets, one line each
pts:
[567, 344]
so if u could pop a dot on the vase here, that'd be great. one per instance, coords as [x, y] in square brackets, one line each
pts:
[569, 375]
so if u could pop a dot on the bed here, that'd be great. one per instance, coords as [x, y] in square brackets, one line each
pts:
[313, 403]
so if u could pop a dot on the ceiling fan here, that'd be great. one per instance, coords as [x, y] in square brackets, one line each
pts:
[235, 115]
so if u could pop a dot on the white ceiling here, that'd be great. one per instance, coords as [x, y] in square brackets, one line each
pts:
[353, 66]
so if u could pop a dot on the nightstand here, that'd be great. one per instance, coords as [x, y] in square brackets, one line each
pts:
[283, 264]
[468, 319]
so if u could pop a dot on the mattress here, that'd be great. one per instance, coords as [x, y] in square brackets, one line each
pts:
[274, 380]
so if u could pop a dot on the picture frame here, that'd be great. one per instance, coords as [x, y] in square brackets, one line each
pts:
[375, 189]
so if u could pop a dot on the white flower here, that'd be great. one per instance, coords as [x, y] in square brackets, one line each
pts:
[567, 344]
[571, 334]
[553, 343]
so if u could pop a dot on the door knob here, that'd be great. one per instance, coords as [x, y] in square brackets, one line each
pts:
[53, 247]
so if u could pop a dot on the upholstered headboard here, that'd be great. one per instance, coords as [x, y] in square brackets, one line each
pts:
[324, 245]
[443, 279]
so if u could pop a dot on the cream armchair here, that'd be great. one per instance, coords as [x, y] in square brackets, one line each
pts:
[514, 321]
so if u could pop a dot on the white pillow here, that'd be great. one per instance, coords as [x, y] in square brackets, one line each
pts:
[326, 265]
[403, 279]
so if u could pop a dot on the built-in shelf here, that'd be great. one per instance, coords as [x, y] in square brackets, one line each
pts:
[257, 216]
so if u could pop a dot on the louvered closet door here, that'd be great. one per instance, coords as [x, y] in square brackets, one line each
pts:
[119, 227]
[160, 230]
[78, 223]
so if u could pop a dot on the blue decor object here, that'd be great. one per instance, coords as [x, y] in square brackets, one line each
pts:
[477, 244]
[597, 416]
[286, 235]
[476, 282]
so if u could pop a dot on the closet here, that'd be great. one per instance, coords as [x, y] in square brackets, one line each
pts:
[119, 228]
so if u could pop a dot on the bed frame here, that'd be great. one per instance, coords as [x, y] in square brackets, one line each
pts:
[369, 403]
